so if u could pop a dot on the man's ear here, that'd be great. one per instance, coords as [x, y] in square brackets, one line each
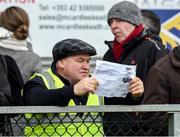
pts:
[60, 64]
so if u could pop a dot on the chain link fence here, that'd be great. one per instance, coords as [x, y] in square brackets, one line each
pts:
[87, 120]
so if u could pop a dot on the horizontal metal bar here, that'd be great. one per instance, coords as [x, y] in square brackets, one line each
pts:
[103, 108]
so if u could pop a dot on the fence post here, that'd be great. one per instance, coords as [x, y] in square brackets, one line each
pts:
[174, 124]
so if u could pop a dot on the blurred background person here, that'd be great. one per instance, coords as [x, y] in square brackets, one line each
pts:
[10, 86]
[14, 32]
[162, 87]
[5, 93]
[152, 22]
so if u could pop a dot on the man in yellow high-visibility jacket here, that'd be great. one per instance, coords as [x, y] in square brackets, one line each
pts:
[65, 83]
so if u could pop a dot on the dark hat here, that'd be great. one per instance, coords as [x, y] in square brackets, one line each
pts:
[70, 47]
[126, 11]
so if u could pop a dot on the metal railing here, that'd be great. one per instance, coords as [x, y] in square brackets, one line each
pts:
[15, 123]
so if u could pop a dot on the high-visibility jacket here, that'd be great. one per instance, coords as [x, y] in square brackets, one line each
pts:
[64, 124]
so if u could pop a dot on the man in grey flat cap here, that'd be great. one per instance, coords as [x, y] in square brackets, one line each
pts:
[65, 83]
[132, 45]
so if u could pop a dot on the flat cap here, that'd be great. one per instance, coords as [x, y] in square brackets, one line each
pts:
[69, 47]
[126, 11]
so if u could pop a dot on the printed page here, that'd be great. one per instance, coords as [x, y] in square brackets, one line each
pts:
[113, 78]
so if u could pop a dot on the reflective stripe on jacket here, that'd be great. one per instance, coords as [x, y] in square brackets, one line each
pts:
[71, 124]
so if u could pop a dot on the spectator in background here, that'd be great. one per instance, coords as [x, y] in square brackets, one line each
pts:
[5, 93]
[130, 46]
[162, 87]
[152, 22]
[14, 32]
[5, 90]
[11, 85]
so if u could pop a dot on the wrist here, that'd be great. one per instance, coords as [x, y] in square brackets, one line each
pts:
[136, 96]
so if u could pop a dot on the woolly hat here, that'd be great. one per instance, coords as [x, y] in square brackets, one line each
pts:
[126, 11]
[69, 47]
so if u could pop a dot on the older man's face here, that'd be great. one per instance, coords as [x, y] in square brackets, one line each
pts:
[76, 67]
[120, 29]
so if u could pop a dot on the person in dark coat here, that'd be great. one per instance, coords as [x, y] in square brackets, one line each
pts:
[132, 45]
[5, 89]
[161, 87]
[5, 92]
[10, 90]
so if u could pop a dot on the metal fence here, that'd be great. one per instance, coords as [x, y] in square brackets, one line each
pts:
[82, 120]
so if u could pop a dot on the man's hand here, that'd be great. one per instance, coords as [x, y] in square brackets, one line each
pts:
[86, 85]
[136, 87]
